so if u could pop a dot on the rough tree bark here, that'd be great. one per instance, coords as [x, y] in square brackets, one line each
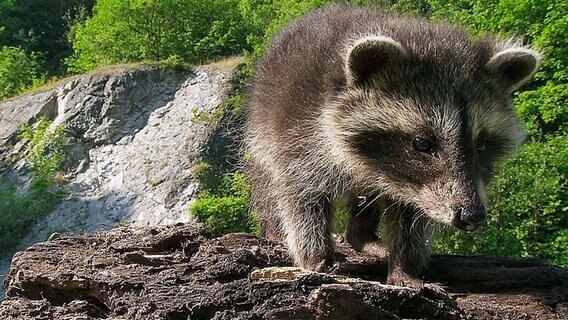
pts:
[176, 272]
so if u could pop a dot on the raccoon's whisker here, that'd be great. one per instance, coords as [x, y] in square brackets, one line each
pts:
[417, 218]
[368, 204]
[431, 228]
[397, 203]
[394, 203]
[400, 218]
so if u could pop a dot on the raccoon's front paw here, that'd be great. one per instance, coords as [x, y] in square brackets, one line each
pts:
[434, 290]
[330, 265]
[376, 249]
[316, 265]
[322, 267]
[404, 280]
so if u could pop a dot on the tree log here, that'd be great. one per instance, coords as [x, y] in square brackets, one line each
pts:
[177, 272]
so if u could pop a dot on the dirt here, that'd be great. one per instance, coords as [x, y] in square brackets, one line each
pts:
[178, 272]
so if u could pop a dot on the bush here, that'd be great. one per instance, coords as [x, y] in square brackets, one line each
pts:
[19, 212]
[544, 110]
[223, 206]
[222, 215]
[44, 154]
[45, 150]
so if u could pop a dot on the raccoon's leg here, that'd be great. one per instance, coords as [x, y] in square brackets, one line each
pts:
[308, 231]
[264, 202]
[406, 236]
[362, 226]
[285, 215]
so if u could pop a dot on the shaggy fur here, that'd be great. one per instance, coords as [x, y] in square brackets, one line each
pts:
[409, 115]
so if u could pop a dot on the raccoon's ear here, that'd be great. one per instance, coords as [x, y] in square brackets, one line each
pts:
[370, 55]
[514, 66]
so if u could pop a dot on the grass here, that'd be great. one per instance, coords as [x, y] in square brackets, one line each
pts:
[111, 70]
[230, 62]
[19, 211]
[169, 64]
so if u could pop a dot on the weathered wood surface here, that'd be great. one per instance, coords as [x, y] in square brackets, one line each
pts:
[176, 272]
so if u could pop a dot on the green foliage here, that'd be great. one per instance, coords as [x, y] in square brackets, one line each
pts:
[45, 150]
[137, 30]
[223, 205]
[341, 214]
[266, 18]
[174, 63]
[210, 180]
[222, 215]
[19, 209]
[545, 110]
[17, 71]
[40, 27]
[195, 30]
[529, 211]
[34, 42]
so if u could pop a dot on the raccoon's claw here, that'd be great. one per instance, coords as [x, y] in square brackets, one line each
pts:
[435, 290]
[429, 289]
[406, 281]
[322, 267]
[432, 290]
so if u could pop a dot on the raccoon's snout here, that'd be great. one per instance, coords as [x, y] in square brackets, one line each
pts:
[469, 218]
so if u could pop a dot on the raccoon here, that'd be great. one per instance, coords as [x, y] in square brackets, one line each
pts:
[402, 118]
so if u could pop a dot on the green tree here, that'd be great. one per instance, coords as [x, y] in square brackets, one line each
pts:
[137, 30]
[17, 71]
[41, 27]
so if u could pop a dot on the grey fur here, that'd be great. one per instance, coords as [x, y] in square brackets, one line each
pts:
[334, 107]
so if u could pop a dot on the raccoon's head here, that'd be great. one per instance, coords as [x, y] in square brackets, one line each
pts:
[427, 125]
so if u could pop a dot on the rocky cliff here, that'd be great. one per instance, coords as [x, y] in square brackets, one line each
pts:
[134, 135]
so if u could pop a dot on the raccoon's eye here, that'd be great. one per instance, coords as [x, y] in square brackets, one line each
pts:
[423, 145]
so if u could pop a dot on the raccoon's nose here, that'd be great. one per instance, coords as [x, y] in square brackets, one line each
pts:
[469, 218]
